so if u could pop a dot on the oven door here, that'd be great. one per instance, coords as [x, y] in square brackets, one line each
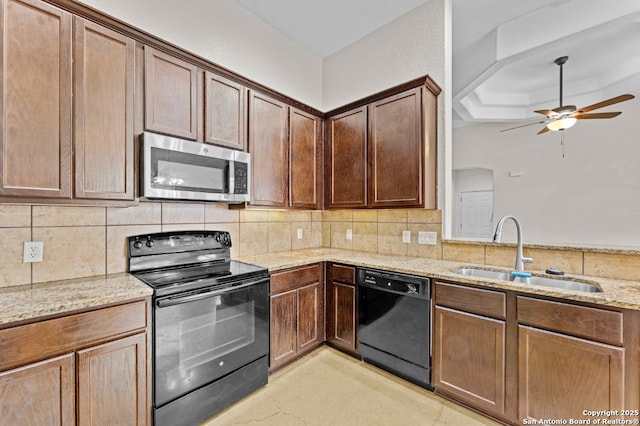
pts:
[201, 337]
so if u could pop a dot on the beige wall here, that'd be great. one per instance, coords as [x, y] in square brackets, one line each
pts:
[86, 241]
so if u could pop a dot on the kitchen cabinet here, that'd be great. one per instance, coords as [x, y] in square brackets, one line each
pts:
[297, 313]
[225, 117]
[285, 145]
[43, 122]
[347, 159]
[517, 356]
[396, 151]
[103, 135]
[269, 151]
[36, 111]
[342, 313]
[84, 368]
[469, 352]
[382, 152]
[305, 160]
[570, 358]
[173, 98]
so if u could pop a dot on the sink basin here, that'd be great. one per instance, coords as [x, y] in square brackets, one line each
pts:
[535, 280]
[483, 273]
[565, 284]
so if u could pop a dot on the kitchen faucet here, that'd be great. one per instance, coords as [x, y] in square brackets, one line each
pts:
[520, 259]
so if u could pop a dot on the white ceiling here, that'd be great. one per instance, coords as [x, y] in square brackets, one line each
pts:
[326, 26]
[503, 50]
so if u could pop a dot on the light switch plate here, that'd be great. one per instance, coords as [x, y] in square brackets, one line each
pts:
[349, 234]
[406, 236]
[429, 238]
[299, 233]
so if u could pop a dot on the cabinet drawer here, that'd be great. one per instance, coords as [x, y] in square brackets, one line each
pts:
[344, 274]
[474, 300]
[295, 278]
[32, 342]
[597, 324]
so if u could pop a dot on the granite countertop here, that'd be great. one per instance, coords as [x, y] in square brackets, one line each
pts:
[616, 293]
[29, 302]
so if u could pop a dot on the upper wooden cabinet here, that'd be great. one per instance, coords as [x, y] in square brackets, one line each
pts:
[269, 151]
[44, 122]
[171, 95]
[103, 112]
[396, 151]
[305, 159]
[36, 111]
[383, 153]
[225, 118]
[286, 146]
[347, 159]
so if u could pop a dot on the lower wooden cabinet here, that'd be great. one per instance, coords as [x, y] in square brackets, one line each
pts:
[86, 369]
[112, 383]
[560, 375]
[342, 314]
[42, 393]
[469, 354]
[297, 313]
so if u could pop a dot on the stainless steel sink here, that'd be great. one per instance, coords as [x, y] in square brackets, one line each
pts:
[483, 273]
[565, 284]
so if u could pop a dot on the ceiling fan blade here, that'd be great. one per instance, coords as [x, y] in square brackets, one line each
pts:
[548, 112]
[580, 116]
[608, 102]
[522, 125]
[545, 129]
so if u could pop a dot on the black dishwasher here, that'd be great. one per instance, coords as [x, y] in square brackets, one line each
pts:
[394, 318]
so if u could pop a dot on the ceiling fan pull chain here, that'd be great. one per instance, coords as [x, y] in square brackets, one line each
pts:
[562, 141]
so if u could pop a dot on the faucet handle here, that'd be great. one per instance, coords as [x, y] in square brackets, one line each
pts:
[527, 260]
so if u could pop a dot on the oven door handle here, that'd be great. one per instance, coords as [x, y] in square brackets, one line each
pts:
[179, 300]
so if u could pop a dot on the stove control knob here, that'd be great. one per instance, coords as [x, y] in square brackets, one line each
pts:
[227, 240]
[137, 245]
[150, 243]
[218, 237]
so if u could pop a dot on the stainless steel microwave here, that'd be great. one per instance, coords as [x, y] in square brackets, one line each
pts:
[177, 169]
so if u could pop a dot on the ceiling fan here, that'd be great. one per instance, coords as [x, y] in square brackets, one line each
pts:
[565, 116]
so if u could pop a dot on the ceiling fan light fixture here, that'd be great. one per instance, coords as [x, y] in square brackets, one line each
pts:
[561, 123]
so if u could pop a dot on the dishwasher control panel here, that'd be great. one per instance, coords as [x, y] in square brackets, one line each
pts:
[394, 282]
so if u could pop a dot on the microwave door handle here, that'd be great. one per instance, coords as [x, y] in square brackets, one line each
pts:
[179, 300]
[232, 177]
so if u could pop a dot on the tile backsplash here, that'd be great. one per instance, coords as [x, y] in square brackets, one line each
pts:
[86, 241]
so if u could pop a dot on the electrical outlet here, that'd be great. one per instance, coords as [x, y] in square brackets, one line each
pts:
[427, 238]
[32, 251]
[299, 233]
[349, 234]
[406, 236]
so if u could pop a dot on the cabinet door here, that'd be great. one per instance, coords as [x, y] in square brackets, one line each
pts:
[35, 142]
[283, 327]
[39, 394]
[342, 315]
[112, 383]
[103, 112]
[268, 148]
[310, 318]
[347, 159]
[469, 358]
[225, 118]
[560, 376]
[396, 151]
[171, 95]
[305, 153]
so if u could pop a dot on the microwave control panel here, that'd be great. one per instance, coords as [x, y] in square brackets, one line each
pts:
[241, 176]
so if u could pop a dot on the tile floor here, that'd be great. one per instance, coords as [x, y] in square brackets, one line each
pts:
[330, 388]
